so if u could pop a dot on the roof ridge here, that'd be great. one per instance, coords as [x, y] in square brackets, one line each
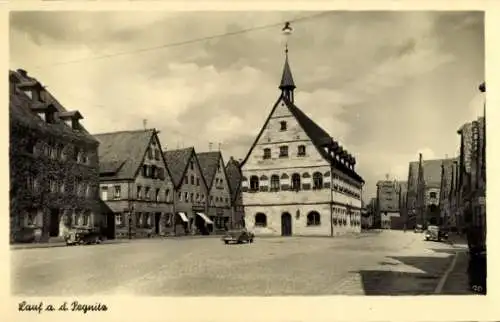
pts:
[124, 131]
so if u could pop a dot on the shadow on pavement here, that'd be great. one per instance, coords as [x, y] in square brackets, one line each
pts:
[402, 282]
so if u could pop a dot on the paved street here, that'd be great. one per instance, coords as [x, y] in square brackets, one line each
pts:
[387, 263]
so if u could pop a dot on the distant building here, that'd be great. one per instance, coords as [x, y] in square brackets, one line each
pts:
[191, 193]
[234, 177]
[54, 167]
[424, 184]
[447, 188]
[297, 180]
[219, 201]
[135, 184]
[388, 204]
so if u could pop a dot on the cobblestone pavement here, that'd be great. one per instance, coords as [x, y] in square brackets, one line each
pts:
[388, 263]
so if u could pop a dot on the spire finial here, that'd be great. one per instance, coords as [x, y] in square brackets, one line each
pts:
[287, 85]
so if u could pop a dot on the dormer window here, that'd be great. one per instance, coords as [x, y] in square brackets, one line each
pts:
[32, 89]
[71, 118]
[45, 111]
[282, 126]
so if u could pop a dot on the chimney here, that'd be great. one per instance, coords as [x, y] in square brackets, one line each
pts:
[420, 157]
[22, 72]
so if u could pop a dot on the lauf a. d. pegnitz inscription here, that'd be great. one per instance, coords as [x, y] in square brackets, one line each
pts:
[65, 306]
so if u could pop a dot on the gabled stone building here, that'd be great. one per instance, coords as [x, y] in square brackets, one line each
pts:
[191, 193]
[297, 180]
[234, 178]
[219, 192]
[54, 166]
[135, 184]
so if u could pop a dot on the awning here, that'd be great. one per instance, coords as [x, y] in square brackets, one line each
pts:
[207, 220]
[183, 216]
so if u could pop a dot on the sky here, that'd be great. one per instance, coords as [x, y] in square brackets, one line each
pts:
[387, 85]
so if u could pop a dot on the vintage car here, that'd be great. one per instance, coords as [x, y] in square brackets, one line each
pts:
[435, 233]
[83, 236]
[419, 229]
[238, 236]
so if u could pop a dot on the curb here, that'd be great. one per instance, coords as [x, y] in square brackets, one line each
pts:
[444, 278]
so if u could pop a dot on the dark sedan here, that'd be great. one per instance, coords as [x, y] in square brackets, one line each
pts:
[238, 236]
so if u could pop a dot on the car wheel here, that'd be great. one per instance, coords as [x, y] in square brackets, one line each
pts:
[226, 242]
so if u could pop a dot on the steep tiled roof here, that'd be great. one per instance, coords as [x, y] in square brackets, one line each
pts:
[122, 153]
[318, 136]
[209, 162]
[177, 161]
[233, 176]
[20, 111]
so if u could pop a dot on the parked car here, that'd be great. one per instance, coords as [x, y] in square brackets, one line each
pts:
[419, 229]
[83, 236]
[436, 233]
[238, 236]
[476, 270]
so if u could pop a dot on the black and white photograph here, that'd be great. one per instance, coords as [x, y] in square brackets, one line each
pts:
[247, 153]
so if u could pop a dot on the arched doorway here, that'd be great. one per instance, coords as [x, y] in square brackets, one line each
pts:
[286, 224]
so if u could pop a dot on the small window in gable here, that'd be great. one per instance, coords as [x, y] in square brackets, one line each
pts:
[301, 150]
[283, 151]
[267, 153]
[283, 126]
[150, 153]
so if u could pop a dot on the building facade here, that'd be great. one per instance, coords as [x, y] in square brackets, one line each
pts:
[191, 193]
[296, 179]
[219, 192]
[388, 203]
[472, 179]
[234, 178]
[135, 184]
[423, 195]
[54, 166]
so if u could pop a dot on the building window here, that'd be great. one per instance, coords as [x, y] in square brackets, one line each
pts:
[104, 193]
[86, 218]
[275, 182]
[192, 180]
[150, 153]
[301, 150]
[186, 181]
[139, 192]
[433, 195]
[186, 197]
[267, 153]
[53, 185]
[317, 180]
[157, 195]
[283, 151]
[118, 219]
[254, 183]
[157, 154]
[179, 196]
[167, 194]
[313, 219]
[118, 192]
[296, 182]
[197, 181]
[260, 220]
[191, 165]
[282, 126]
[191, 197]
[147, 193]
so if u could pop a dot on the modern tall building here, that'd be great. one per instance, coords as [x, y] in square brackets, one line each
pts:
[54, 166]
[298, 180]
